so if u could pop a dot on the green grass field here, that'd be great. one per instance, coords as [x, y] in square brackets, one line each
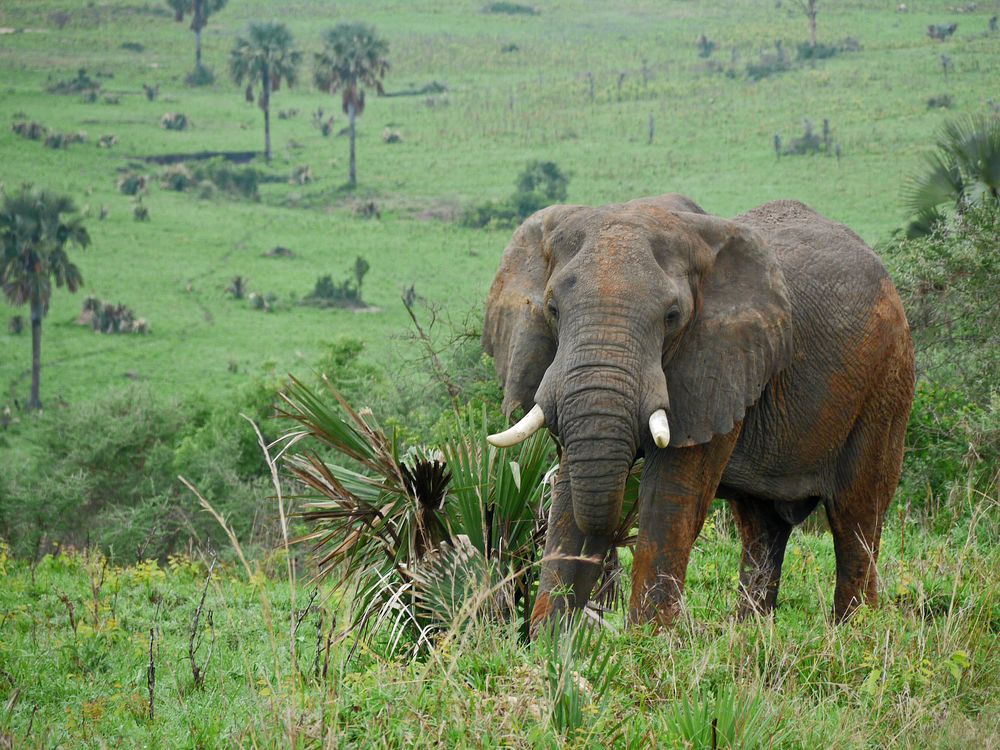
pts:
[920, 671]
[713, 142]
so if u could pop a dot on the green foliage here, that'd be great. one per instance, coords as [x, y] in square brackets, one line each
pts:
[540, 184]
[239, 181]
[81, 84]
[510, 9]
[579, 672]
[425, 540]
[947, 282]
[199, 76]
[725, 720]
[963, 171]
[174, 121]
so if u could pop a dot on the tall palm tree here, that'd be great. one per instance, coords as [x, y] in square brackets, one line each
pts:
[265, 57]
[353, 56]
[963, 171]
[33, 239]
[199, 10]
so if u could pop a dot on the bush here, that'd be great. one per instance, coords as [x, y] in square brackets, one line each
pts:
[540, 184]
[510, 9]
[33, 131]
[941, 101]
[132, 183]
[242, 181]
[947, 283]
[82, 83]
[174, 121]
[177, 177]
[200, 76]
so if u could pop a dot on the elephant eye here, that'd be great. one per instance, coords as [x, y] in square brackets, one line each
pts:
[673, 317]
[553, 310]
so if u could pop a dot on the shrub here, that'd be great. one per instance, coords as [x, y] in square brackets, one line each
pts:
[200, 76]
[16, 325]
[329, 293]
[133, 47]
[178, 177]
[80, 84]
[242, 181]
[540, 184]
[151, 92]
[131, 183]
[941, 31]
[947, 283]
[33, 131]
[174, 121]
[140, 212]
[107, 141]
[104, 317]
[705, 46]
[769, 63]
[941, 101]
[510, 9]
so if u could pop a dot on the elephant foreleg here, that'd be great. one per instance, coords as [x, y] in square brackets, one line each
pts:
[677, 489]
[572, 563]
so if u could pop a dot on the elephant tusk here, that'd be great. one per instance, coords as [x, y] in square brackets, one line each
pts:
[533, 421]
[659, 428]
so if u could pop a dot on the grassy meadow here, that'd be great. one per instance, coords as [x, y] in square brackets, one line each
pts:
[618, 97]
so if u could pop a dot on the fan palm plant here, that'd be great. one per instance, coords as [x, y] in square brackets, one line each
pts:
[353, 56]
[265, 58]
[423, 538]
[199, 10]
[963, 171]
[36, 226]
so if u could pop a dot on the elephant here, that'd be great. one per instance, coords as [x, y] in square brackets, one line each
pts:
[764, 360]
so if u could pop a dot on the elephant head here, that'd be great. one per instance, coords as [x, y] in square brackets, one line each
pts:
[628, 328]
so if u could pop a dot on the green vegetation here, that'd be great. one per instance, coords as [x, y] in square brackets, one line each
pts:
[964, 171]
[36, 227]
[265, 58]
[353, 56]
[199, 10]
[109, 553]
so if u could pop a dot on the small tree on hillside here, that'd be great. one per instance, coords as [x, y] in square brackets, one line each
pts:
[265, 58]
[353, 56]
[34, 234]
[809, 7]
[199, 10]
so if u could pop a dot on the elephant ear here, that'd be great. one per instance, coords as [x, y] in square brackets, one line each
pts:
[516, 332]
[739, 338]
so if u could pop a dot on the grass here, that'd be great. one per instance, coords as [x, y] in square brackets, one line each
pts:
[917, 672]
[713, 142]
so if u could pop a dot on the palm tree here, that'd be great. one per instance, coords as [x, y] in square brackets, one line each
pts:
[33, 239]
[265, 57]
[353, 56]
[963, 171]
[199, 10]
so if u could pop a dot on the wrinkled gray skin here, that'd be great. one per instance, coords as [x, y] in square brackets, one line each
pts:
[775, 342]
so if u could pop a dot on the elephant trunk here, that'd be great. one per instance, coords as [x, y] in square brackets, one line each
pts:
[599, 430]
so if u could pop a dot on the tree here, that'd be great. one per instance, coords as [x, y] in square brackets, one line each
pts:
[353, 56]
[809, 7]
[199, 10]
[963, 171]
[266, 58]
[34, 234]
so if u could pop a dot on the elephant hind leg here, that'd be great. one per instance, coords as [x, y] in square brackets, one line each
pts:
[764, 528]
[869, 471]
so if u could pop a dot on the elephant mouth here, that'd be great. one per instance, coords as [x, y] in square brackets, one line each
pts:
[534, 420]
